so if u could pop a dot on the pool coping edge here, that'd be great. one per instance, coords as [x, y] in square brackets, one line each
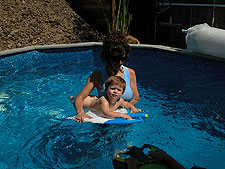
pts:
[84, 44]
[41, 47]
[8, 52]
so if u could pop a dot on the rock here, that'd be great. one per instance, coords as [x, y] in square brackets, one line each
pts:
[132, 40]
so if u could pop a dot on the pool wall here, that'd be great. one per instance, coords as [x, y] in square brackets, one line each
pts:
[9, 52]
[184, 94]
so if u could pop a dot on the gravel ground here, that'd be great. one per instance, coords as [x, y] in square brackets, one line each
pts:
[42, 22]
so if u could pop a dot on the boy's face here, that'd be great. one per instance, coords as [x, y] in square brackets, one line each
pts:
[114, 92]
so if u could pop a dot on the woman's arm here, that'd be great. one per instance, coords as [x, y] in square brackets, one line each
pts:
[129, 106]
[91, 83]
[133, 85]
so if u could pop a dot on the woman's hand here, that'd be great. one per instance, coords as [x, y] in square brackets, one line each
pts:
[134, 100]
[78, 102]
[80, 113]
[81, 116]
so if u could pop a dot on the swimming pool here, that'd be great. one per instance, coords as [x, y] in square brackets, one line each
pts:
[183, 94]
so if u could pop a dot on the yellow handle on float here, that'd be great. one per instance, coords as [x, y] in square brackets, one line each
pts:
[146, 115]
[141, 110]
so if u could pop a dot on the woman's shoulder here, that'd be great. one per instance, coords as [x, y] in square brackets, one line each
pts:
[96, 78]
[129, 69]
[96, 73]
[132, 72]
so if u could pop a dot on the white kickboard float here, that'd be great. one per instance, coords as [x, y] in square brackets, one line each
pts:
[98, 117]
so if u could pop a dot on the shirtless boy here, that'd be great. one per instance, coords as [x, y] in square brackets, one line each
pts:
[108, 103]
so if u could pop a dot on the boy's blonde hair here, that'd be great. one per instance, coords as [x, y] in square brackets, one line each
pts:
[115, 80]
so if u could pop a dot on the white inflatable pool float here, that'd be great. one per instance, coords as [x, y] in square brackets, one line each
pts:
[206, 40]
[98, 117]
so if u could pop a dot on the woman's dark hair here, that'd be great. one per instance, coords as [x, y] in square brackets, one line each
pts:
[114, 50]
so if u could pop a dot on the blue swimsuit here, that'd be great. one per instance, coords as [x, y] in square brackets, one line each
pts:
[128, 93]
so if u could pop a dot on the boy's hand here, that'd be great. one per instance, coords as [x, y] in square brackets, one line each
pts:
[125, 116]
[134, 110]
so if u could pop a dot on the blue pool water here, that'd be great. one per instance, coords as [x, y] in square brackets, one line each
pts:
[184, 96]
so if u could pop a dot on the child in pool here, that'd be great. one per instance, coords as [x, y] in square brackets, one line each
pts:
[112, 100]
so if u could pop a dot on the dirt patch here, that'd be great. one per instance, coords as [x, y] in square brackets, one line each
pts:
[42, 22]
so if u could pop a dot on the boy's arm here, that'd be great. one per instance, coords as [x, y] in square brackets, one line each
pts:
[130, 106]
[111, 114]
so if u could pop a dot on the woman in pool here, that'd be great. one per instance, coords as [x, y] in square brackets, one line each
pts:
[115, 51]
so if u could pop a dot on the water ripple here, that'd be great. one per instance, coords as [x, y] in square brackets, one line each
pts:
[58, 147]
